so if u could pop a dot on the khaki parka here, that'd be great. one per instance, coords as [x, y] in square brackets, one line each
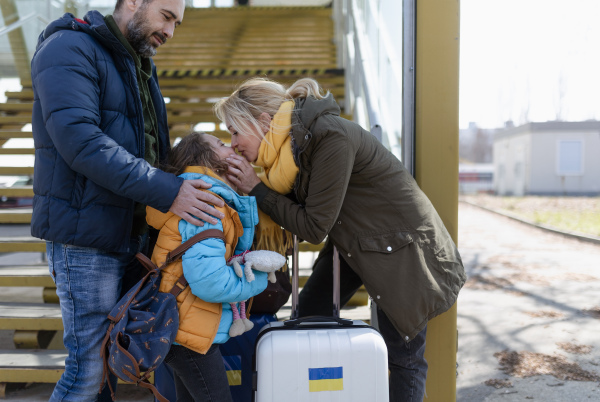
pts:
[353, 190]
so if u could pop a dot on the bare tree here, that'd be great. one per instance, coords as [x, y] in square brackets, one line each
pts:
[559, 102]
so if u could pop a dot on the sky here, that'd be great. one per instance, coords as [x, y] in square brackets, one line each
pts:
[529, 60]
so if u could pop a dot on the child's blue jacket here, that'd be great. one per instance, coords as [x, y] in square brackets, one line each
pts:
[204, 265]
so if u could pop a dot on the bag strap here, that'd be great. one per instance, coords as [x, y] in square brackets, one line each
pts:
[177, 253]
[174, 255]
[146, 262]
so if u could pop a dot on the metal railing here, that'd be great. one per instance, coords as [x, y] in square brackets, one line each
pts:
[22, 21]
[375, 41]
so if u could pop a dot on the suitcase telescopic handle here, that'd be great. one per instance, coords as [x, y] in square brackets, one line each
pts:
[295, 281]
[295, 273]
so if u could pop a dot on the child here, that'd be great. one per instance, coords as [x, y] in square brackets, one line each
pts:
[205, 315]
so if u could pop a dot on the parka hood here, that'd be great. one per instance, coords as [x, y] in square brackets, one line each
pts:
[310, 108]
[92, 24]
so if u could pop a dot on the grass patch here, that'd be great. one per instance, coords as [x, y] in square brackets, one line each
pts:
[572, 214]
[572, 221]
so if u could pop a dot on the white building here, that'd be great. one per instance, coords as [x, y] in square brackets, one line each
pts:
[552, 158]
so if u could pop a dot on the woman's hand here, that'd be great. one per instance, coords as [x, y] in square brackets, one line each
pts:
[241, 173]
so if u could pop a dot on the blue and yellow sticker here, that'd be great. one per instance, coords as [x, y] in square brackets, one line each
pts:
[233, 367]
[325, 379]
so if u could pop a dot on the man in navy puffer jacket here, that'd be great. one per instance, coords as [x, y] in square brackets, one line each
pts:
[100, 131]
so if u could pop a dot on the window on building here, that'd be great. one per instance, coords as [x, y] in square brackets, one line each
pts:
[518, 170]
[570, 157]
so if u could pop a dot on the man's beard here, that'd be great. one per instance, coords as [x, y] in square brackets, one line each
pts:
[139, 34]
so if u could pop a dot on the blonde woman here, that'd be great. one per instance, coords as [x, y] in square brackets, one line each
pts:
[327, 177]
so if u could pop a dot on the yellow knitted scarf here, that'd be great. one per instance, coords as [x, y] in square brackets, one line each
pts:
[280, 171]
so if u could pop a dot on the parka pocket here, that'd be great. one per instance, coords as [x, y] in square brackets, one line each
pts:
[386, 243]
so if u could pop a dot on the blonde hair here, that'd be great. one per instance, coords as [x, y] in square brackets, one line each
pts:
[242, 108]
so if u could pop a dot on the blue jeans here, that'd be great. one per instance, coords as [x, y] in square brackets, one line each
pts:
[406, 361]
[89, 282]
[198, 377]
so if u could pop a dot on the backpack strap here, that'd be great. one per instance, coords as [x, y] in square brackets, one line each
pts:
[179, 251]
[182, 283]
[176, 254]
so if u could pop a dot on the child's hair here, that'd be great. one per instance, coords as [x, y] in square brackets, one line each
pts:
[193, 150]
[257, 95]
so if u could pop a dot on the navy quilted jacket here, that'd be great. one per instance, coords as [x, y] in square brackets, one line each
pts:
[88, 131]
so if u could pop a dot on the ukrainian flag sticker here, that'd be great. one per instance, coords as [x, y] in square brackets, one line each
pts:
[233, 367]
[325, 379]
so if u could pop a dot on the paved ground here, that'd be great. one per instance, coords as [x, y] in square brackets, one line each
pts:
[530, 292]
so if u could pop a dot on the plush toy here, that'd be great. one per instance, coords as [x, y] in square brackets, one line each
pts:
[260, 260]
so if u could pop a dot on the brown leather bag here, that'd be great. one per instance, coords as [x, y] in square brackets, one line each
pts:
[275, 295]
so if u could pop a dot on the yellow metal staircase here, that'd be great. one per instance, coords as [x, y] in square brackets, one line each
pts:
[212, 51]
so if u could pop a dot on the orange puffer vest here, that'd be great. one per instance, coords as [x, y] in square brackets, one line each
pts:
[198, 319]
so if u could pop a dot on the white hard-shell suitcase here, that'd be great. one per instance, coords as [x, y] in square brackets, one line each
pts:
[320, 358]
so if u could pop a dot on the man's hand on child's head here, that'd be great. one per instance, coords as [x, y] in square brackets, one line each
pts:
[194, 205]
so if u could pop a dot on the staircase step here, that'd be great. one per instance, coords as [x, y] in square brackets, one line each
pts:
[8, 134]
[21, 244]
[17, 151]
[226, 87]
[30, 316]
[38, 365]
[35, 365]
[226, 82]
[15, 215]
[16, 170]
[21, 119]
[29, 275]
[16, 107]
[258, 68]
[17, 191]
[25, 94]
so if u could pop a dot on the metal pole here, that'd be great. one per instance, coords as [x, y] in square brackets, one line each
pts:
[436, 162]
[408, 85]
